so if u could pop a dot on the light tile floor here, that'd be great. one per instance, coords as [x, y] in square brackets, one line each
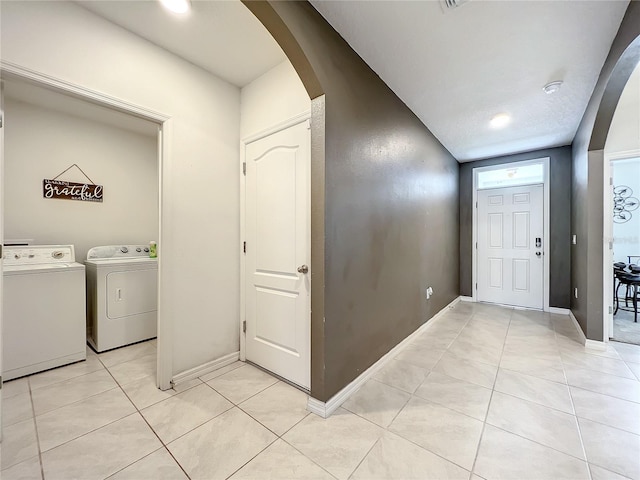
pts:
[484, 393]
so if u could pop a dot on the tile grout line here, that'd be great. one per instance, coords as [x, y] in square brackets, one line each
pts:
[484, 423]
[145, 421]
[35, 427]
[584, 450]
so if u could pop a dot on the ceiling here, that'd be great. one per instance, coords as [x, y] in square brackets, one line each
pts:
[222, 37]
[455, 69]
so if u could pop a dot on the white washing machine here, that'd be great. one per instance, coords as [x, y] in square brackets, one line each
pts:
[122, 296]
[44, 314]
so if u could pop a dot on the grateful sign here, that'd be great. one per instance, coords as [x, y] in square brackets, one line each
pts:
[86, 192]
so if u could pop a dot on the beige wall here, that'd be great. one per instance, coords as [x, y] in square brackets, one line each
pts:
[200, 244]
[40, 143]
[274, 97]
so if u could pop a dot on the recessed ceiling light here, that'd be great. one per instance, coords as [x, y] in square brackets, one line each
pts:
[552, 87]
[500, 120]
[177, 6]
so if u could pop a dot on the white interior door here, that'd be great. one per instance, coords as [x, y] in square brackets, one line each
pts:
[510, 235]
[278, 282]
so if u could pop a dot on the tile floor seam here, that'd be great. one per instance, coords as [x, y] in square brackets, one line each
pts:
[76, 402]
[63, 380]
[365, 456]
[35, 427]
[265, 426]
[599, 371]
[139, 412]
[537, 403]
[486, 415]
[307, 457]
[606, 394]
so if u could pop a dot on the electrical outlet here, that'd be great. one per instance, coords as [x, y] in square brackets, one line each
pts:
[429, 292]
[574, 239]
[575, 292]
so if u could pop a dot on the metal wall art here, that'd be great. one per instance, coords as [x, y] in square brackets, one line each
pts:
[623, 204]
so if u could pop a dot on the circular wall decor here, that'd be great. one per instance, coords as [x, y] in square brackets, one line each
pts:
[623, 204]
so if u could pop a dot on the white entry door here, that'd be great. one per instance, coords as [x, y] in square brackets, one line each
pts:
[277, 258]
[510, 233]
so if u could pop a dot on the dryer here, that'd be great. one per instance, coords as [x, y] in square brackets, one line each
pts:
[122, 296]
[43, 309]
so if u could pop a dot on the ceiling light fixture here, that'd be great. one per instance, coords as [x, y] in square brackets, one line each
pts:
[500, 120]
[177, 6]
[552, 87]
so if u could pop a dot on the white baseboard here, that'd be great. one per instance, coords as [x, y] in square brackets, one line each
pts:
[595, 345]
[465, 299]
[559, 311]
[583, 339]
[325, 409]
[592, 344]
[205, 368]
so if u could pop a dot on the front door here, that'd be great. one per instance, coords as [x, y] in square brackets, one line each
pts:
[278, 281]
[510, 233]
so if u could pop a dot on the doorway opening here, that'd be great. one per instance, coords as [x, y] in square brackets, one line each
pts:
[141, 133]
[511, 234]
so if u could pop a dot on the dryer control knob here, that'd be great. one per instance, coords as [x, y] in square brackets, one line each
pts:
[124, 250]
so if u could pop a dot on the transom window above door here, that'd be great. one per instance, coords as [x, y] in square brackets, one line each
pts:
[530, 174]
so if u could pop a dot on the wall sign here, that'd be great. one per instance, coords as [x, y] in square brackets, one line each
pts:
[86, 192]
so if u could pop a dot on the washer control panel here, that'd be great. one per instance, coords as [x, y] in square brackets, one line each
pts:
[118, 251]
[38, 254]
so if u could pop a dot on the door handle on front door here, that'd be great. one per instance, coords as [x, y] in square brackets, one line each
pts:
[538, 254]
[303, 269]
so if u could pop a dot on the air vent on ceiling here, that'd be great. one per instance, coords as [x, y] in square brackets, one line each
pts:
[450, 4]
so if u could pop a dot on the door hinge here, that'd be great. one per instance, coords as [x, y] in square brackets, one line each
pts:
[244, 326]
[610, 245]
[244, 247]
[244, 168]
[476, 204]
[610, 310]
[610, 180]
[476, 245]
[1, 121]
[476, 286]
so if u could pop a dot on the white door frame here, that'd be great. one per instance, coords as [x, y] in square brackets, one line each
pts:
[474, 275]
[607, 245]
[165, 324]
[302, 117]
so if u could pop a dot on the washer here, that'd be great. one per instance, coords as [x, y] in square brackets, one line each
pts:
[43, 309]
[122, 296]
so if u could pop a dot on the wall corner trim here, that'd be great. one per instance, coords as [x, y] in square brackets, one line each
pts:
[560, 311]
[583, 339]
[325, 409]
[205, 368]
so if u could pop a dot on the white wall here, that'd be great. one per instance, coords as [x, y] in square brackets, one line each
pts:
[200, 243]
[626, 236]
[274, 97]
[41, 143]
[624, 133]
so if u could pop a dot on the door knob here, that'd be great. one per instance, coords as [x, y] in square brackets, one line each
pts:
[303, 269]
[538, 254]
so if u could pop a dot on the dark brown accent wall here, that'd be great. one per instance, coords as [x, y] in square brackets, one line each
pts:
[390, 206]
[559, 222]
[587, 217]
